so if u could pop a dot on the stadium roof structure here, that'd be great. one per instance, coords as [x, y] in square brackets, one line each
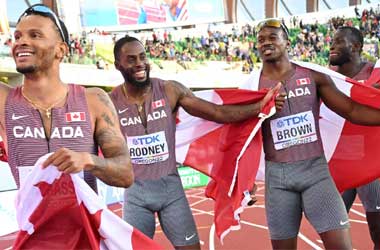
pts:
[245, 10]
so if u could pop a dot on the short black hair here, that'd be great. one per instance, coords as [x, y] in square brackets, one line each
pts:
[120, 43]
[43, 10]
[65, 32]
[354, 34]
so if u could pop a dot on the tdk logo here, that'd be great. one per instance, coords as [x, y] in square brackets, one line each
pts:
[146, 140]
[292, 121]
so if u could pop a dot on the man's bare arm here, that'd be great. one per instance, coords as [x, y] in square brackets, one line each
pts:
[180, 95]
[343, 105]
[115, 168]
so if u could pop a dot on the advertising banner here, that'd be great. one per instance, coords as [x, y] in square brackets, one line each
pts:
[149, 13]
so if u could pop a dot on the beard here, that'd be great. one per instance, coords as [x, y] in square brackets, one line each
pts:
[26, 70]
[344, 57]
[270, 60]
[128, 77]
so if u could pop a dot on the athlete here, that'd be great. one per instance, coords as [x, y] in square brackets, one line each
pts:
[147, 110]
[345, 58]
[47, 115]
[297, 177]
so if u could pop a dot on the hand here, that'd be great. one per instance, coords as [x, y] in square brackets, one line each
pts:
[280, 100]
[269, 95]
[68, 161]
[376, 85]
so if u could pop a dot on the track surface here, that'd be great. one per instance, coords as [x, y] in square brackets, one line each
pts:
[253, 233]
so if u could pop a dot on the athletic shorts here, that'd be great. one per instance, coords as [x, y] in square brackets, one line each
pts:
[304, 186]
[166, 197]
[369, 194]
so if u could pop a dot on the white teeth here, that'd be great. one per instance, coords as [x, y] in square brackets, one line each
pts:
[24, 54]
[267, 51]
[140, 73]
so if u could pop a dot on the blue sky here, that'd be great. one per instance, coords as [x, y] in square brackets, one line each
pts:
[16, 7]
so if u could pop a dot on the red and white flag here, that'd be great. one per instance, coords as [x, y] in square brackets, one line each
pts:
[303, 81]
[225, 152]
[75, 117]
[228, 154]
[158, 104]
[60, 211]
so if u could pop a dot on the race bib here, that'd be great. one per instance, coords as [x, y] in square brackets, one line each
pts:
[148, 149]
[293, 130]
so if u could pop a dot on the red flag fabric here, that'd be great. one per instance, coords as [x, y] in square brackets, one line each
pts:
[220, 151]
[3, 153]
[228, 154]
[60, 211]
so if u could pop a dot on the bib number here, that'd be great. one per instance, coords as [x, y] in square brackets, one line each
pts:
[148, 149]
[293, 130]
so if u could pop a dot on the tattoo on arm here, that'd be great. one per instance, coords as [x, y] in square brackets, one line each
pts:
[111, 168]
[108, 120]
[115, 168]
[104, 98]
[110, 143]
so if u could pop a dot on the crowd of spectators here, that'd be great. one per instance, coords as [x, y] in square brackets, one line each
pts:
[310, 42]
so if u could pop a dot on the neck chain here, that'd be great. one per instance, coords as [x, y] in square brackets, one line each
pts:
[139, 106]
[39, 107]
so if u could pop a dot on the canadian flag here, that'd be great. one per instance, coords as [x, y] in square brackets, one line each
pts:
[60, 211]
[75, 117]
[229, 153]
[232, 153]
[303, 81]
[158, 103]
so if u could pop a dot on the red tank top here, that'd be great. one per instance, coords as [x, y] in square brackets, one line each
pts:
[152, 149]
[70, 128]
[365, 72]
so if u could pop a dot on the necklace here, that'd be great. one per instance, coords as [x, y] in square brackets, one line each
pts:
[139, 106]
[39, 107]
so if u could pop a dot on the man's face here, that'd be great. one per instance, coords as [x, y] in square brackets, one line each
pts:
[271, 44]
[133, 64]
[341, 49]
[36, 44]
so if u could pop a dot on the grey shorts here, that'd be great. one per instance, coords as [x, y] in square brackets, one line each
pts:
[166, 197]
[369, 194]
[304, 186]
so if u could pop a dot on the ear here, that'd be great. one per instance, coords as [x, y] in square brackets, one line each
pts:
[62, 50]
[356, 47]
[117, 64]
[288, 44]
